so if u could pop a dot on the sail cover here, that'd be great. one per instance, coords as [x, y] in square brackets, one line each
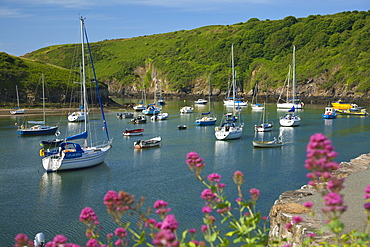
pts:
[82, 135]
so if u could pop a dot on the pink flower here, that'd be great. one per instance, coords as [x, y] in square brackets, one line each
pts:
[170, 223]
[160, 204]
[288, 226]
[165, 238]
[308, 204]
[367, 192]
[206, 210]
[60, 239]
[21, 239]
[367, 206]
[297, 220]
[238, 178]
[204, 228]
[88, 216]
[150, 222]
[255, 193]
[208, 195]
[92, 243]
[192, 230]
[120, 232]
[215, 177]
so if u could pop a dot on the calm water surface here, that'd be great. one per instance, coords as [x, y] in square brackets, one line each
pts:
[33, 200]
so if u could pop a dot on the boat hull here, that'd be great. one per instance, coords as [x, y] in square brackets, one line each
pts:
[134, 132]
[90, 157]
[263, 128]
[76, 117]
[235, 103]
[266, 144]
[38, 131]
[230, 133]
[15, 112]
[329, 116]
[290, 122]
[289, 106]
[154, 142]
[353, 113]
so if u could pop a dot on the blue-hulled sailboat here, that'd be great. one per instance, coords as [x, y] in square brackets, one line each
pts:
[39, 127]
[73, 155]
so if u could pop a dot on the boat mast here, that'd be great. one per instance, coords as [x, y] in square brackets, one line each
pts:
[294, 77]
[16, 88]
[83, 75]
[43, 97]
[96, 85]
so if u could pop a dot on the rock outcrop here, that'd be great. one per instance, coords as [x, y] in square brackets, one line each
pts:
[290, 203]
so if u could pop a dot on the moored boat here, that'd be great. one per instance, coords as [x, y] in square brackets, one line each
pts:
[362, 112]
[159, 116]
[200, 101]
[186, 109]
[71, 155]
[181, 127]
[329, 113]
[267, 144]
[133, 132]
[139, 119]
[153, 142]
[290, 119]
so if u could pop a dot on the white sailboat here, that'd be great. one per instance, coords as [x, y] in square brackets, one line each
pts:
[231, 126]
[233, 100]
[207, 118]
[289, 103]
[39, 128]
[264, 125]
[72, 155]
[256, 105]
[17, 110]
[290, 119]
[141, 105]
[79, 115]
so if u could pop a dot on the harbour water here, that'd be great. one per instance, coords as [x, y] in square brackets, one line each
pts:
[34, 201]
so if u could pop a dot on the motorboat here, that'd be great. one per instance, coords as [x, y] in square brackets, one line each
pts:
[153, 142]
[159, 116]
[200, 102]
[187, 109]
[329, 113]
[140, 119]
[133, 132]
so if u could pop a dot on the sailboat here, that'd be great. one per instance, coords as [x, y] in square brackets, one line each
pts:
[152, 109]
[289, 103]
[39, 128]
[264, 126]
[231, 126]
[72, 155]
[17, 110]
[290, 119]
[141, 105]
[233, 100]
[207, 118]
[79, 115]
[256, 106]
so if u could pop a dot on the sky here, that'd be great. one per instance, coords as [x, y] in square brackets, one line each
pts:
[28, 25]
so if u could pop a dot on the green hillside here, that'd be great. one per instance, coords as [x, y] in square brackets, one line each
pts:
[333, 48]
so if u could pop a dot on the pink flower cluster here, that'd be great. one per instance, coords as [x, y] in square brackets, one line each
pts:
[320, 155]
[88, 216]
[195, 163]
[367, 197]
[161, 208]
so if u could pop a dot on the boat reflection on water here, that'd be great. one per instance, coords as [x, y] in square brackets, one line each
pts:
[328, 127]
[50, 186]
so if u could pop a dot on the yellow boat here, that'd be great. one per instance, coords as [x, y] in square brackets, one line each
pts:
[339, 105]
[362, 112]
